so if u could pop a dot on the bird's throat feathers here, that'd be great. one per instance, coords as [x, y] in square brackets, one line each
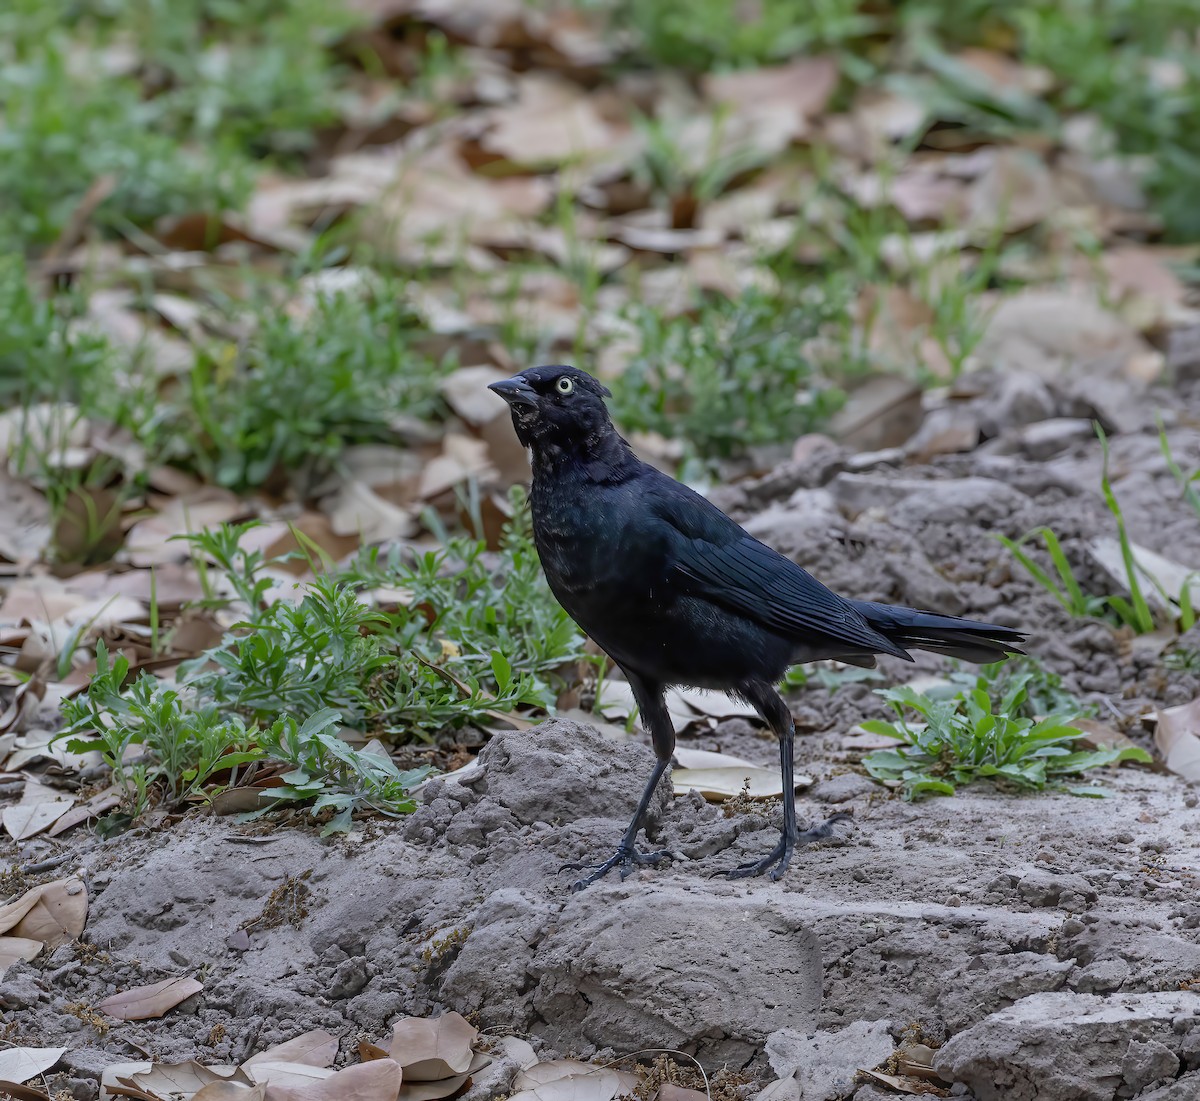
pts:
[599, 456]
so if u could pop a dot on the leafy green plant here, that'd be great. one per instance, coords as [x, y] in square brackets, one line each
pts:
[299, 391]
[740, 374]
[971, 737]
[1044, 693]
[188, 743]
[325, 769]
[1135, 612]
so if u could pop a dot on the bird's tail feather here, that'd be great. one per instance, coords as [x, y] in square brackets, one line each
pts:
[966, 639]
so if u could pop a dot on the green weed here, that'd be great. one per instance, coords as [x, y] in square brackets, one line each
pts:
[738, 375]
[972, 736]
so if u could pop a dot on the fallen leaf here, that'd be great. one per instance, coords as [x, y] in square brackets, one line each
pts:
[187, 1078]
[1178, 739]
[378, 1080]
[570, 1080]
[431, 1049]
[18, 1092]
[284, 1075]
[152, 542]
[433, 1091]
[882, 412]
[1157, 574]
[317, 1048]
[145, 1002]
[99, 803]
[19, 1064]
[719, 784]
[795, 92]
[114, 1073]
[230, 1091]
[15, 949]
[703, 758]
[668, 1091]
[552, 121]
[900, 1085]
[716, 705]
[25, 821]
[57, 915]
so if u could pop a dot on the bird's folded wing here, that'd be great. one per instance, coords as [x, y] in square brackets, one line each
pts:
[747, 577]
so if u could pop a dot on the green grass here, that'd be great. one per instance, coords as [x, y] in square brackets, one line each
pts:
[736, 375]
[983, 733]
[471, 638]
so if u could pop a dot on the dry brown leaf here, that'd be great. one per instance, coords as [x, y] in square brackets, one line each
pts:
[317, 1048]
[145, 1002]
[1157, 573]
[432, 1049]
[97, 805]
[433, 1091]
[1178, 739]
[551, 122]
[151, 542]
[570, 1080]
[703, 758]
[16, 949]
[882, 412]
[716, 705]
[668, 1091]
[795, 93]
[26, 531]
[187, 1078]
[230, 1091]
[284, 1075]
[58, 913]
[18, 1092]
[719, 784]
[25, 821]
[1139, 269]
[378, 1080]
[19, 1064]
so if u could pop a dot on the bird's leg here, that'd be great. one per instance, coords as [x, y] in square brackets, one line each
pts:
[657, 720]
[778, 715]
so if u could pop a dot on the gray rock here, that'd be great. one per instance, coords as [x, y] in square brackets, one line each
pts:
[1039, 887]
[922, 501]
[637, 966]
[1146, 1063]
[840, 789]
[825, 1063]
[1064, 1046]
[536, 777]
[1019, 398]
[1186, 1088]
[1101, 977]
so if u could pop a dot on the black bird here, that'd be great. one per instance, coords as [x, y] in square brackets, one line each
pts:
[676, 593]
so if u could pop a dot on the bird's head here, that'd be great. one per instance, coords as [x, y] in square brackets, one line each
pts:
[555, 406]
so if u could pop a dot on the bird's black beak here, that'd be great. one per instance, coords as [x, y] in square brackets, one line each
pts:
[516, 391]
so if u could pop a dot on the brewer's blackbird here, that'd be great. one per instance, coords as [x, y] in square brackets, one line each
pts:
[676, 593]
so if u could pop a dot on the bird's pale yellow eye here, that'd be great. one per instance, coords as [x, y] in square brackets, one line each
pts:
[565, 385]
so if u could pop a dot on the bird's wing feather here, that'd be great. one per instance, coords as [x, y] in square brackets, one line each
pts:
[710, 556]
[749, 578]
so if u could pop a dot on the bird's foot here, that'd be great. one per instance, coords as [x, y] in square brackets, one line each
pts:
[626, 858]
[778, 859]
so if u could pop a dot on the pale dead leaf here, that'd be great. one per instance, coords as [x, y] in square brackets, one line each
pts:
[145, 1002]
[97, 805]
[1142, 270]
[432, 1049]
[14, 949]
[432, 1091]
[58, 914]
[187, 1078]
[551, 122]
[1155, 572]
[882, 412]
[25, 821]
[703, 758]
[356, 510]
[230, 1091]
[115, 1073]
[462, 458]
[794, 93]
[716, 705]
[19, 1064]
[18, 1092]
[378, 1080]
[719, 784]
[1018, 187]
[317, 1048]
[466, 392]
[151, 542]
[285, 1075]
[900, 1085]
[1178, 739]
[26, 531]
[570, 1080]
[668, 1091]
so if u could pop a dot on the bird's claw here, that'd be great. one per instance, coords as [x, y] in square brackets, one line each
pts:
[624, 858]
[780, 857]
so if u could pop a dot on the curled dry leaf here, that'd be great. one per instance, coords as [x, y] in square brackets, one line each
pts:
[19, 1064]
[230, 1091]
[668, 1091]
[430, 1050]
[145, 1002]
[24, 821]
[703, 758]
[1178, 739]
[286, 1075]
[317, 1048]
[43, 917]
[571, 1080]
[187, 1078]
[378, 1080]
[15, 949]
[719, 784]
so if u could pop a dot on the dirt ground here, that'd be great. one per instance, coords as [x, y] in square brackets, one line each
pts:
[1048, 946]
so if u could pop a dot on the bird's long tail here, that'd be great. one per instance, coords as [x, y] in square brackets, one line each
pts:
[966, 639]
